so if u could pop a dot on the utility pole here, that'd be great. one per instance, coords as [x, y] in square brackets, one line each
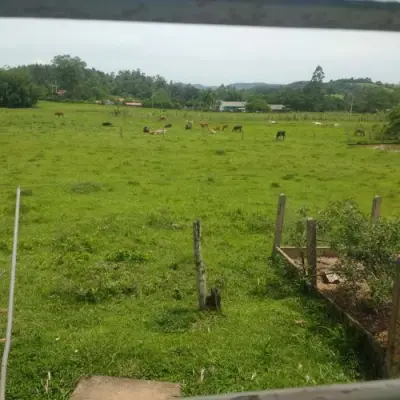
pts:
[54, 85]
[351, 104]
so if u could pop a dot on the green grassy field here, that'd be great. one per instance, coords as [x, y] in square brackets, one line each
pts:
[105, 280]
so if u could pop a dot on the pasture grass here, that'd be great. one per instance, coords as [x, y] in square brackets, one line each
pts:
[105, 279]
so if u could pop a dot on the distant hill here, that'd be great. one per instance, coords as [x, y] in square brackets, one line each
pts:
[197, 85]
[297, 85]
[244, 85]
[339, 85]
[240, 85]
[203, 87]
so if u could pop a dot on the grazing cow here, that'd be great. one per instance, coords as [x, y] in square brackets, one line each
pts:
[107, 124]
[237, 128]
[212, 131]
[146, 129]
[168, 126]
[224, 127]
[157, 132]
[59, 114]
[204, 124]
[189, 125]
[216, 128]
[272, 122]
[162, 118]
[280, 134]
[317, 123]
[359, 132]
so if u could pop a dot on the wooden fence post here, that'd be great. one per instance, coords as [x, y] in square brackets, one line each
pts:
[312, 250]
[376, 209]
[393, 349]
[199, 264]
[280, 216]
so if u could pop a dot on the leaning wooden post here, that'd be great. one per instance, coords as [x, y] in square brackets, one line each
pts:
[312, 250]
[280, 216]
[376, 209]
[199, 264]
[393, 349]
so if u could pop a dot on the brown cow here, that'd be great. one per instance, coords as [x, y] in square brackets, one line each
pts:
[204, 124]
[157, 132]
[59, 114]
[162, 118]
[217, 128]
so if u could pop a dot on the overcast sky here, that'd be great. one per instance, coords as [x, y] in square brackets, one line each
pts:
[209, 55]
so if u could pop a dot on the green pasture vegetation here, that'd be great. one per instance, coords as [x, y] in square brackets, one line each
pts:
[105, 279]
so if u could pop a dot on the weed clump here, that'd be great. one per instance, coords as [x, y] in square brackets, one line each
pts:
[85, 187]
[127, 256]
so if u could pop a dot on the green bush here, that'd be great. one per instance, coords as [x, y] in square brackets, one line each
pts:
[17, 89]
[366, 250]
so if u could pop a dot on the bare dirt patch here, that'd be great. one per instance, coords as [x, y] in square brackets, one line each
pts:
[350, 299]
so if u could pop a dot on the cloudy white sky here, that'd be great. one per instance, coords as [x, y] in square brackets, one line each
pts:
[209, 55]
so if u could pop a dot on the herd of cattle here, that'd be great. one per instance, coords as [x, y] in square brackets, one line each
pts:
[213, 129]
[189, 126]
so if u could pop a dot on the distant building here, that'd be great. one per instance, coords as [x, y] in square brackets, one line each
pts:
[134, 104]
[278, 108]
[232, 106]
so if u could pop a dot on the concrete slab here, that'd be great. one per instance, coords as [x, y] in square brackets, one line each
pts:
[110, 388]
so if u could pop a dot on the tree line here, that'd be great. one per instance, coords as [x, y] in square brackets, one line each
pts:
[68, 78]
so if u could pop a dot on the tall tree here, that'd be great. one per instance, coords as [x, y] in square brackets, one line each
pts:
[70, 72]
[207, 99]
[314, 92]
[392, 130]
[17, 89]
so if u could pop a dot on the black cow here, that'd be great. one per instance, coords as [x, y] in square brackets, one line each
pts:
[237, 128]
[146, 129]
[168, 126]
[280, 134]
[188, 126]
[107, 124]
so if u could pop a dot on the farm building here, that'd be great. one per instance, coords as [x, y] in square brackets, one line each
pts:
[233, 106]
[133, 104]
[278, 108]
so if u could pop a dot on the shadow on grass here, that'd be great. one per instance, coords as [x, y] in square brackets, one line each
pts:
[175, 320]
[351, 344]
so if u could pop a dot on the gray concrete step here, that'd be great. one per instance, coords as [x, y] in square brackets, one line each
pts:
[110, 388]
